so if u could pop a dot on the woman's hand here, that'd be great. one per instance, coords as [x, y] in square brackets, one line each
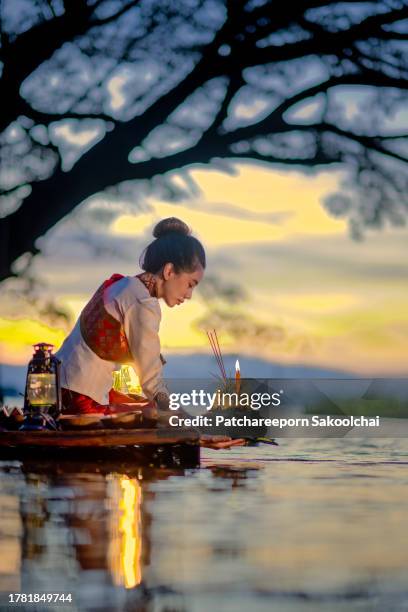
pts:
[220, 442]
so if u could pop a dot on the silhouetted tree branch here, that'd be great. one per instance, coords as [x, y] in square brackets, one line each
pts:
[160, 85]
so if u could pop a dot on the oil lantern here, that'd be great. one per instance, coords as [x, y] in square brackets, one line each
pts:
[42, 399]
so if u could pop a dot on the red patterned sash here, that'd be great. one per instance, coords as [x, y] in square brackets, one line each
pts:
[103, 333]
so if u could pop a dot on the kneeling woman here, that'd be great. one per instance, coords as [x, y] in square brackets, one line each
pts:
[120, 324]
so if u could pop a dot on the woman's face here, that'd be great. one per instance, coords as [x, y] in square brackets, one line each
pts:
[177, 287]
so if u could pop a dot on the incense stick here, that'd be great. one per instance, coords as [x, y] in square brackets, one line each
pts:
[214, 349]
[220, 354]
[217, 355]
[210, 338]
[213, 338]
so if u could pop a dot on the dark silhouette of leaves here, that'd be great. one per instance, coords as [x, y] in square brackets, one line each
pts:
[98, 93]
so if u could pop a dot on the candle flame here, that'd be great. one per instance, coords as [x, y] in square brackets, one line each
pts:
[237, 368]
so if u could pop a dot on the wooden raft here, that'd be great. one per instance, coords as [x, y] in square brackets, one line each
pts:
[98, 438]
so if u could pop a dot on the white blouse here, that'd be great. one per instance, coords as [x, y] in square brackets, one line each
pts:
[129, 302]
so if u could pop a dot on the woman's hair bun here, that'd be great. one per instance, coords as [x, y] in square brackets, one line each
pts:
[174, 244]
[171, 224]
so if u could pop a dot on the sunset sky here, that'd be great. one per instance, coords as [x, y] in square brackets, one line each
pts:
[343, 304]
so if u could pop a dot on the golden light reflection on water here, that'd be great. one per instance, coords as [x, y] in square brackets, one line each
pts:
[125, 533]
[11, 530]
[322, 518]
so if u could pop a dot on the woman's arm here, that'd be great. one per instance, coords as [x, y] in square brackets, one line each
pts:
[141, 326]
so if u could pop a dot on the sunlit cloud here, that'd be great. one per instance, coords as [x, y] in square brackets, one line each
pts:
[317, 302]
[18, 335]
[295, 202]
[342, 304]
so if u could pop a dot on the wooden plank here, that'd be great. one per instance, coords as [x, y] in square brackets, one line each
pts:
[98, 438]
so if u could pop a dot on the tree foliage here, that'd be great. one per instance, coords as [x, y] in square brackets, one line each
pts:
[103, 93]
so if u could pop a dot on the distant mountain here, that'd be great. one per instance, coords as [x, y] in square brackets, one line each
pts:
[309, 385]
[195, 365]
[12, 379]
[198, 365]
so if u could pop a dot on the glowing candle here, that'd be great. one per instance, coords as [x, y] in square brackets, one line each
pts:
[237, 377]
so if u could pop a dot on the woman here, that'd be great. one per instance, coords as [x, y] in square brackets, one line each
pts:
[120, 324]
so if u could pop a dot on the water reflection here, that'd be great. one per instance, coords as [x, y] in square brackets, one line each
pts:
[125, 534]
[297, 530]
[11, 532]
[80, 528]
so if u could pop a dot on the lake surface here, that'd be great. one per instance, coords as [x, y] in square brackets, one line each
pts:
[310, 525]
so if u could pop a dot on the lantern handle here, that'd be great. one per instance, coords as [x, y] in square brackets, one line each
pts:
[43, 346]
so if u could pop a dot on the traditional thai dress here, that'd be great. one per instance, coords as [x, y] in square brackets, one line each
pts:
[120, 324]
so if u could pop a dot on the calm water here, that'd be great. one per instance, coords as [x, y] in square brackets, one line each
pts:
[312, 525]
